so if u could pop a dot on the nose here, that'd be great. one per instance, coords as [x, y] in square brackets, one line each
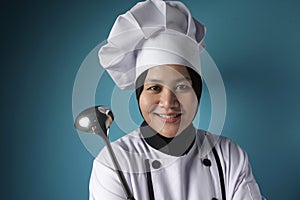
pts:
[168, 99]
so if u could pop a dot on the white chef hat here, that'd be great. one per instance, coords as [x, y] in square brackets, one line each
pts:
[152, 33]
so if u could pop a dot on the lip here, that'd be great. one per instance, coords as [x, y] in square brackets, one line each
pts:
[170, 117]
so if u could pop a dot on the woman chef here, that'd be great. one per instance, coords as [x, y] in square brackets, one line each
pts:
[154, 48]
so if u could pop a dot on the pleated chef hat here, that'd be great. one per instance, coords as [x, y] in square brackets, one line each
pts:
[152, 33]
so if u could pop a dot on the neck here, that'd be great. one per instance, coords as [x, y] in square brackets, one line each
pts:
[175, 146]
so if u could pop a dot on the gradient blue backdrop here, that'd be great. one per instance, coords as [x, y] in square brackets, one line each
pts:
[254, 43]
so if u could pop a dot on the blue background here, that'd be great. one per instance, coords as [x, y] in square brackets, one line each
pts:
[254, 43]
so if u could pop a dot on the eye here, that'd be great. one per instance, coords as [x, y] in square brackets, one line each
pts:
[183, 87]
[154, 88]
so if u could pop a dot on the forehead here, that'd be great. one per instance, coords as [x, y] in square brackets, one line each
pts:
[167, 73]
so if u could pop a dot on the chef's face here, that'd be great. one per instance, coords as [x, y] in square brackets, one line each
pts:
[168, 102]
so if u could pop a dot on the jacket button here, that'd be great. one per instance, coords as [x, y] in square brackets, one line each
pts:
[206, 162]
[214, 198]
[156, 164]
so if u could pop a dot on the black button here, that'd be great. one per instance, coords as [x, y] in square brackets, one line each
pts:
[214, 198]
[156, 164]
[206, 162]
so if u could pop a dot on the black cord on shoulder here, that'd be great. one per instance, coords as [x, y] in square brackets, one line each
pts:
[221, 176]
[149, 180]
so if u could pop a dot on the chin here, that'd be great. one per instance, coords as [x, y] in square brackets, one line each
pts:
[167, 129]
[170, 131]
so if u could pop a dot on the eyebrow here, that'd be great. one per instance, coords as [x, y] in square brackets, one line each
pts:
[161, 81]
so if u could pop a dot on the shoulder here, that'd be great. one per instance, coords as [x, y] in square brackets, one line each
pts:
[227, 145]
[125, 143]
[128, 141]
[229, 150]
[237, 170]
[232, 152]
[126, 148]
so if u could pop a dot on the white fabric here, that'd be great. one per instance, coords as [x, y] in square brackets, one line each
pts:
[178, 178]
[168, 48]
[145, 26]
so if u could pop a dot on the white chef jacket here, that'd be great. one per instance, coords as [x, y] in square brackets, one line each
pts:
[174, 178]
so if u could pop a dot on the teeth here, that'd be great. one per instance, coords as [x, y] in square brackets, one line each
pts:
[169, 116]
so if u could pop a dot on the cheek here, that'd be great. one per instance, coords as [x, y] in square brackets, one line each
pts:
[189, 103]
[145, 104]
[142, 106]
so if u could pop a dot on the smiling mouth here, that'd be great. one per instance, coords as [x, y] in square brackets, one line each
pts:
[169, 118]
